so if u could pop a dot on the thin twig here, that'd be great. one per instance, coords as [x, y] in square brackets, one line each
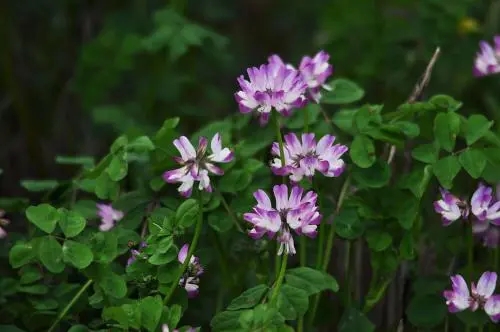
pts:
[417, 91]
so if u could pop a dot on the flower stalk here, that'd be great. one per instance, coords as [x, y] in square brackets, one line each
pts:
[187, 260]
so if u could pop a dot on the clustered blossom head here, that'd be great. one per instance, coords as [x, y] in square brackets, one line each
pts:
[297, 212]
[483, 206]
[164, 328]
[314, 72]
[304, 158]
[487, 61]
[191, 277]
[480, 297]
[196, 165]
[3, 222]
[271, 86]
[135, 253]
[109, 216]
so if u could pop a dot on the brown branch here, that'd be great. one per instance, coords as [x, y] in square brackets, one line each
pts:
[417, 91]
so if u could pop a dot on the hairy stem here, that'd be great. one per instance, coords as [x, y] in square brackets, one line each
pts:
[69, 305]
[192, 248]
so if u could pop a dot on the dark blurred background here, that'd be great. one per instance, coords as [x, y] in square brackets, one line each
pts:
[75, 74]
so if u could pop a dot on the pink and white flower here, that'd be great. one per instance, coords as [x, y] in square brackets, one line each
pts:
[297, 212]
[480, 297]
[305, 157]
[3, 222]
[487, 61]
[271, 86]
[196, 165]
[109, 216]
[450, 207]
[164, 328]
[191, 277]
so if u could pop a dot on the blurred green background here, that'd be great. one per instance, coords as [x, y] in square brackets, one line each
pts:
[75, 74]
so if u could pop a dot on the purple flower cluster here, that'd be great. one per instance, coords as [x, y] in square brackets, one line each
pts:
[483, 211]
[305, 157]
[196, 166]
[191, 277]
[109, 216]
[459, 298]
[281, 87]
[165, 328]
[297, 212]
[487, 61]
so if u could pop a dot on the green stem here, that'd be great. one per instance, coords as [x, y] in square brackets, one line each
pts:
[321, 231]
[329, 246]
[470, 252]
[347, 271]
[279, 280]
[331, 234]
[470, 257]
[192, 248]
[300, 324]
[226, 276]
[69, 305]
[303, 251]
[280, 139]
[230, 212]
[276, 120]
[306, 121]
[446, 323]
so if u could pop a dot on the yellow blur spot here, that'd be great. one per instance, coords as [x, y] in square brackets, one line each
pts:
[467, 25]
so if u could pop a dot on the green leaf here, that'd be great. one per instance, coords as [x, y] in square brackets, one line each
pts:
[77, 254]
[223, 127]
[187, 213]
[426, 153]
[85, 161]
[310, 280]
[378, 240]
[30, 274]
[344, 120]
[362, 151]
[141, 144]
[366, 117]
[476, 127]
[445, 102]
[21, 254]
[71, 222]
[118, 167]
[151, 310]
[78, 328]
[355, 321]
[474, 162]
[220, 221]
[226, 321]
[376, 176]
[105, 246]
[343, 92]
[34, 289]
[39, 185]
[407, 247]
[446, 169]
[105, 188]
[43, 216]
[476, 318]
[406, 209]
[253, 165]
[446, 129]
[159, 258]
[173, 315]
[10, 328]
[418, 180]
[292, 302]
[348, 225]
[426, 311]
[235, 181]
[113, 285]
[297, 120]
[50, 254]
[249, 298]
